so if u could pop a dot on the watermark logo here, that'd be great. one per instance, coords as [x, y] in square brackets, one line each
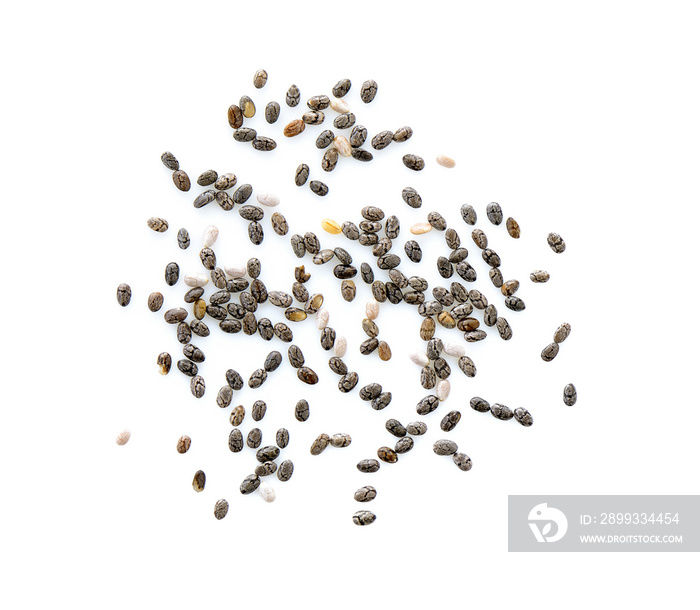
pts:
[544, 516]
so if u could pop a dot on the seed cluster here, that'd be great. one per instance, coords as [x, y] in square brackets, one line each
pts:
[241, 294]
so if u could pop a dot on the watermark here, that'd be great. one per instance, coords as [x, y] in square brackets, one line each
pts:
[604, 523]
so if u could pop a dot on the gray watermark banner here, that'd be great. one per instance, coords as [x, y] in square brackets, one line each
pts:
[604, 523]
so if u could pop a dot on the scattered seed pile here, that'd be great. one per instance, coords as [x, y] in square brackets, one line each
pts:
[451, 308]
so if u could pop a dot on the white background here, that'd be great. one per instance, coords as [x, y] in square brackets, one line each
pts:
[579, 118]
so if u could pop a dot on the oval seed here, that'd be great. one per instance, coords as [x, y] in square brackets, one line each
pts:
[340, 346]
[420, 228]
[419, 358]
[445, 447]
[416, 428]
[368, 91]
[293, 96]
[402, 134]
[259, 79]
[207, 178]
[250, 484]
[370, 391]
[183, 444]
[445, 161]
[318, 187]
[462, 461]
[382, 140]
[170, 161]
[523, 417]
[341, 440]
[403, 445]
[539, 276]
[220, 509]
[155, 301]
[197, 386]
[237, 415]
[159, 225]
[411, 197]
[384, 351]
[319, 445]
[301, 410]
[164, 361]
[512, 227]
[341, 88]
[365, 494]
[123, 294]
[395, 427]
[225, 182]
[388, 455]
[254, 438]
[562, 333]
[199, 481]
[443, 390]
[556, 243]
[183, 239]
[570, 395]
[235, 441]
[181, 180]
[364, 517]
[123, 437]
[501, 412]
[413, 162]
[272, 112]
[235, 116]
[368, 466]
[331, 226]
[341, 144]
[268, 199]
[494, 213]
[504, 329]
[285, 470]
[307, 375]
[267, 493]
[450, 421]
[550, 352]
[247, 107]
[294, 128]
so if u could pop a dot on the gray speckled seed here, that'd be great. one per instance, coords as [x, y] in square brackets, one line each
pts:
[365, 494]
[301, 410]
[501, 412]
[363, 517]
[468, 214]
[395, 427]
[272, 112]
[550, 352]
[123, 294]
[462, 461]
[293, 96]
[522, 416]
[413, 162]
[445, 447]
[172, 273]
[570, 395]
[250, 484]
[368, 91]
[254, 438]
[562, 333]
[417, 428]
[494, 213]
[197, 386]
[368, 466]
[539, 276]
[402, 134]
[170, 161]
[285, 470]
[480, 405]
[341, 88]
[556, 243]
